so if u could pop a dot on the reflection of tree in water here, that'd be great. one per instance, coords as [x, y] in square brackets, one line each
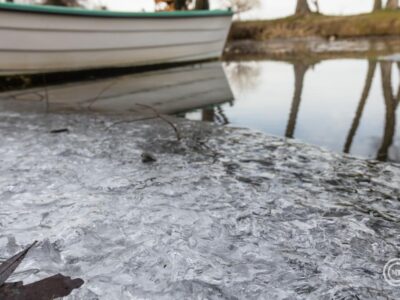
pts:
[395, 153]
[391, 100]
[361, 106]
[215, 115]
[300, 70]
[244, 75]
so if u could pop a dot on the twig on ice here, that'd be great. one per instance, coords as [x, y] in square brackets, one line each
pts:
[165, 119]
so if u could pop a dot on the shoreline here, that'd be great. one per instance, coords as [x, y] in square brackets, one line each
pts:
[311, 49]
[380, 23]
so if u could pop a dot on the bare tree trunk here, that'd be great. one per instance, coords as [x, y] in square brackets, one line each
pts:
[180, 5]
[202, 5]
[302, 7]
[73, 3]
[361, 105]
[316, 4]
[392, 4]
[377, 5]
[300, 71]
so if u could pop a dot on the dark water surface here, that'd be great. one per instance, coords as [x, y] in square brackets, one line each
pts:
[346, 105]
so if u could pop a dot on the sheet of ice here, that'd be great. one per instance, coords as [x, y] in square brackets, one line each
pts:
[223, 214]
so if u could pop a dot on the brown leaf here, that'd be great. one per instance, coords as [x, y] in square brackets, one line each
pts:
[10, 265]
[47, 289]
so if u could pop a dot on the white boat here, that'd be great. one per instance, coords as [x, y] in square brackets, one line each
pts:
[44, 39]
[169, 91]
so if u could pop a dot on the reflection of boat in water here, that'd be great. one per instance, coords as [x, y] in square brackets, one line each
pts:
[43, 39]
[168, 91]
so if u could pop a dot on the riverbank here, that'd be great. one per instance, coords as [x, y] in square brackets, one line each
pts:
[377, 24]
[223, 212]
[311, 50]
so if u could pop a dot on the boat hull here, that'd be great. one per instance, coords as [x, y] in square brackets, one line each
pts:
[39, 42]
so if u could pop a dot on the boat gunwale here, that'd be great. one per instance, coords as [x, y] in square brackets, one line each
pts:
[79, 12]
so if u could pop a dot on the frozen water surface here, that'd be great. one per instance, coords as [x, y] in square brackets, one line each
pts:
[223, 214]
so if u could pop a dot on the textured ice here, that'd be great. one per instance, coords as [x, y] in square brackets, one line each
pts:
[224, 214]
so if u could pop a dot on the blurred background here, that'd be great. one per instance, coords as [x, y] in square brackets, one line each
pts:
[262, 9]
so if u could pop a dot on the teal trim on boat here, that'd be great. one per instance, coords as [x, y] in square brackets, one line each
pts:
[58, 10]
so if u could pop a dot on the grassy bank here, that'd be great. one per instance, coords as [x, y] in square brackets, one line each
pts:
[382, 23]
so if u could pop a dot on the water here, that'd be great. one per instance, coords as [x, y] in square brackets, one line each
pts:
[223, 213]
[326, 109]
[341, 104]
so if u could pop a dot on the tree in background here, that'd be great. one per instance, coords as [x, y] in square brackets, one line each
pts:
[184, 4]
[302, 8]
[392, 4]
[241, 6]
[377, 5]
[180, 5]
[316, 4]
[71, 3]
[202, 5]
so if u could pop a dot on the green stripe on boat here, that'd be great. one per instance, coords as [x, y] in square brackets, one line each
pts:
[47, 9]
